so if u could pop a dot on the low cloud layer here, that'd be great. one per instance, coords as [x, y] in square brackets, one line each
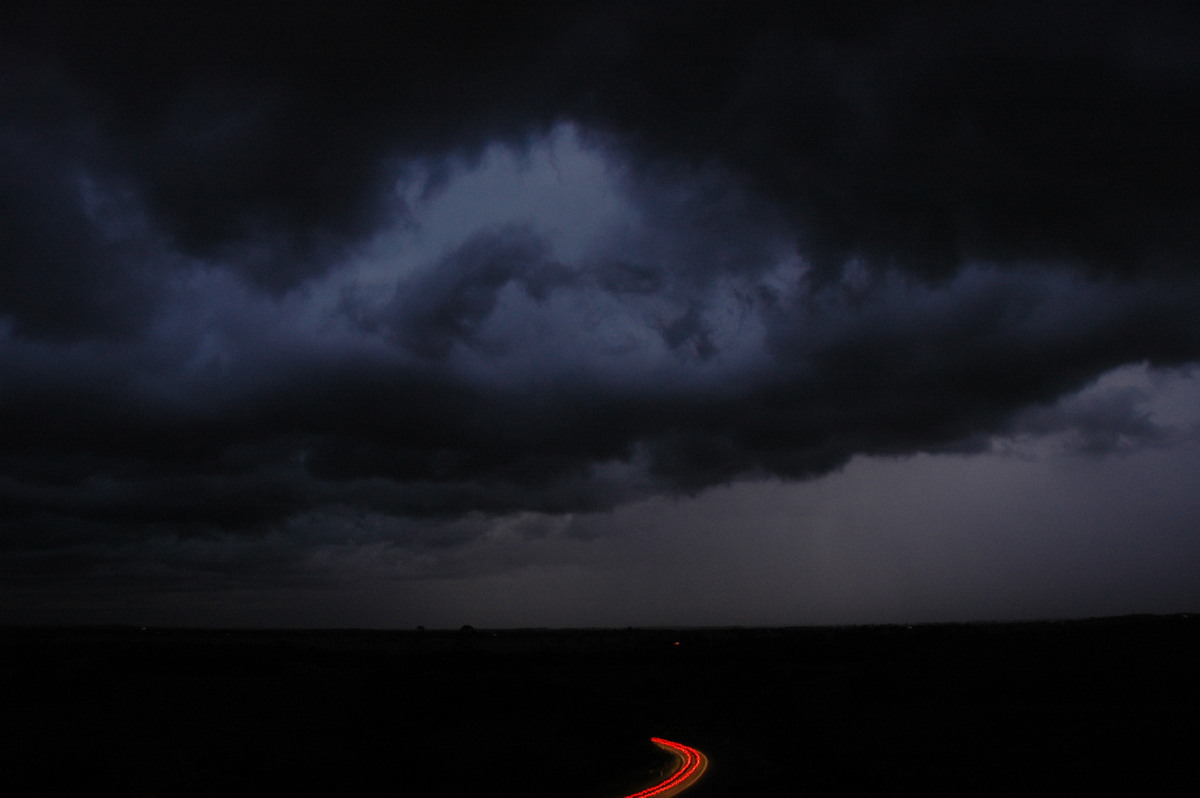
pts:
[273, 271]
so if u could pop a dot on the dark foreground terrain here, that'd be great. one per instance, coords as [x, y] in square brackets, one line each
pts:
[1104, 706]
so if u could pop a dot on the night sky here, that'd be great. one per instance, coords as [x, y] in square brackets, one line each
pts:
[598, 313]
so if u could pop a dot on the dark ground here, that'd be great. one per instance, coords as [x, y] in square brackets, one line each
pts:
[1104, 706]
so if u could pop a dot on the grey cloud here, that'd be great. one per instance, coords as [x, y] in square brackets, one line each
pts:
[447, 302]
[621, 277]
[690, 329]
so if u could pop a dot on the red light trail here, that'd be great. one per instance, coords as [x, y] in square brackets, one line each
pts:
[692, 765]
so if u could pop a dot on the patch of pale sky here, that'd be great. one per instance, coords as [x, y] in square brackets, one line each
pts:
[1168, 398]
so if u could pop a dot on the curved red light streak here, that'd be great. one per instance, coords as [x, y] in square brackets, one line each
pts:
[693, 764]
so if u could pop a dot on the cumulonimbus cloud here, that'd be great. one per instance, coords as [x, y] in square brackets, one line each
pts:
[849, 228]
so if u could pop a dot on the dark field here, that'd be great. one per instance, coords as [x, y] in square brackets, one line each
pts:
[1104, 706]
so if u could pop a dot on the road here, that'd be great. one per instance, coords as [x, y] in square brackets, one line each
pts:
[692, 764]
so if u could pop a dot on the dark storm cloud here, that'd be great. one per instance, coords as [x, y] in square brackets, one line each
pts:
[925, 135]
[70, 267]
[986, 206]
[913, 134]
[251, 134]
